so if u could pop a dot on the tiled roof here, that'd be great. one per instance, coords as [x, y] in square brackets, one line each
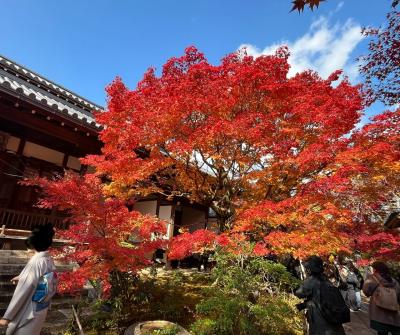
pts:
[17, 79]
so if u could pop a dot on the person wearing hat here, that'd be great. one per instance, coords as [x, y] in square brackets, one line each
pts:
[310, 290]
[24, 315]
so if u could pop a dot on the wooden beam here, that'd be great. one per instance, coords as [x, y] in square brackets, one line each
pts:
[47, 127]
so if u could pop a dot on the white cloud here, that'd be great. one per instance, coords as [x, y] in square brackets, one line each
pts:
[324, 48]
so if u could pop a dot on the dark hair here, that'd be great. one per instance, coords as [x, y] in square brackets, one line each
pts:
[41, 238]
[382, 269]
[315, 265]
[342, 256]
[350, 265]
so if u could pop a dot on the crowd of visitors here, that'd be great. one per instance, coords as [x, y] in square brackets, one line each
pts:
[333, 291]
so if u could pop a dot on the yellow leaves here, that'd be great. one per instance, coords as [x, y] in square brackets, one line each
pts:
[378, 178]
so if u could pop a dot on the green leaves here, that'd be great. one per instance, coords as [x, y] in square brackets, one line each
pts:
[249, 296]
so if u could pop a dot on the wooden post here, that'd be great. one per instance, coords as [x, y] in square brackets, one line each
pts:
[170, 232]
[158, 206]
[77, 320]
[65, 161]
[302, 270]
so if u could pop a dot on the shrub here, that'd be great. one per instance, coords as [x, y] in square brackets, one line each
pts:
[160, 295]
[250, 296]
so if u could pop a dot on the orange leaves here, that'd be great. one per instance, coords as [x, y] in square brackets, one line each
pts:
[310, 242]
[276, 153]
[278, 159]
[224, 134]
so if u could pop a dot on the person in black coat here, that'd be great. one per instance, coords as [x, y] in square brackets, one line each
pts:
[310, 291]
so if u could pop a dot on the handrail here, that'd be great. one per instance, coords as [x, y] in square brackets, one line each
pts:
[27, 220]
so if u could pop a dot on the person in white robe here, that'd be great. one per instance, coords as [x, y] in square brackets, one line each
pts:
[23, 315]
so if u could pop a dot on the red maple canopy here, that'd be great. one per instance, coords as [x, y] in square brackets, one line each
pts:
[276, 157]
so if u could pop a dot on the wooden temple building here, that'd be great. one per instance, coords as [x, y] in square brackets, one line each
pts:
[44, 129]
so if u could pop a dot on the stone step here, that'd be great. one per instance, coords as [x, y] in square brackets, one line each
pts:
[56, 304]
[23, 261]
[15, 253]
[9, 268]
[8, 286]
[56, 323]
[6, 296]
[13, 260]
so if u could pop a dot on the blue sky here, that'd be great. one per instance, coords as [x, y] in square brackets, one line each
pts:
[83, 44]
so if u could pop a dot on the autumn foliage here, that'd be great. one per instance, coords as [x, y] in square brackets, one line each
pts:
[279, 159]
[106, 236]
[226, 135]
[299, 5]
[381, 66]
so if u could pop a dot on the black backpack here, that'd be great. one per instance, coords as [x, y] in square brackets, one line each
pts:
[360, 278]
[332, 305]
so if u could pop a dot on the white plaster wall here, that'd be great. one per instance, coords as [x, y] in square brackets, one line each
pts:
[146, 207]
[43, 153]
[73, 163]
[165, 214]
[91, 169]
[13, 143]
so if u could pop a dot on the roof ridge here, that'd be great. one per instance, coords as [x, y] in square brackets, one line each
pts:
[47, 83]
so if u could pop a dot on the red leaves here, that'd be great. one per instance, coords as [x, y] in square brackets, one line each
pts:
[187, 244]
[211, 130]
[379, 244]
[247, 139]
[276, 158]
[381, 67]
[344, 207]
[106, 235]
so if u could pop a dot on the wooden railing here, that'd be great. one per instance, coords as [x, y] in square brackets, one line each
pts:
[25, 220]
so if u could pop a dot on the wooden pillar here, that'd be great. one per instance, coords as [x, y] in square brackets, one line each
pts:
[21, 146]
[170, 232]
[158, 206]
[171, 226]
[19, 169]
[206, 219]
[65, 161]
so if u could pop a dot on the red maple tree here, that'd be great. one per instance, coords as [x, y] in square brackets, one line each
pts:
[346, 206]
[270, 154]
[277, 158]
[381, 66]
[226, 135]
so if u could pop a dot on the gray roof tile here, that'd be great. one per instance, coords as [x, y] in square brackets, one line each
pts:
[25, 82]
